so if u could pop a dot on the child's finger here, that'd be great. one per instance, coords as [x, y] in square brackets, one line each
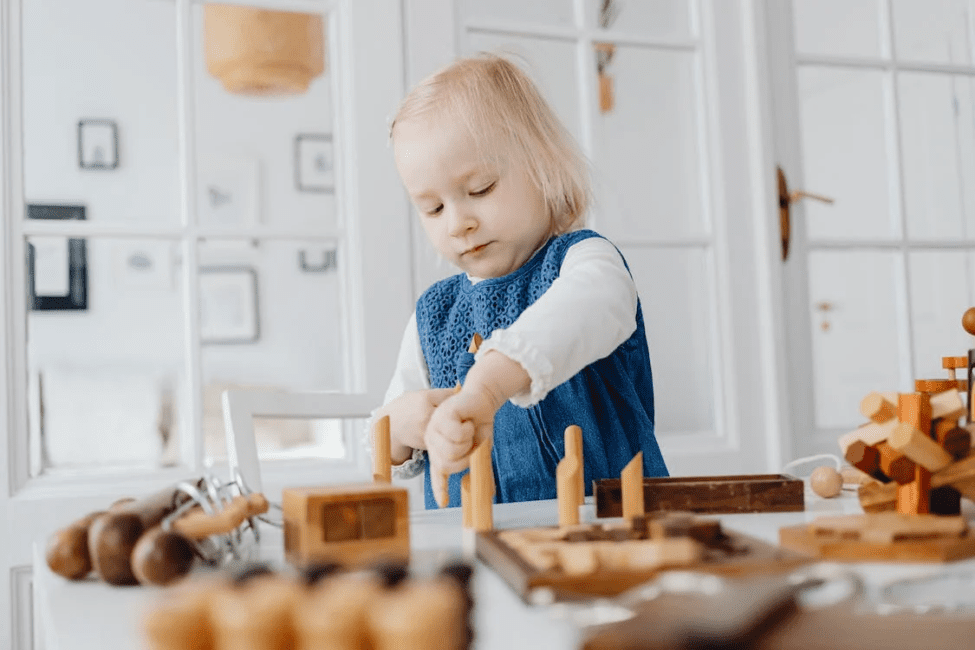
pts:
[438, 395]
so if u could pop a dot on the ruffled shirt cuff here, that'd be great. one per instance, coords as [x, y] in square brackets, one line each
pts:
[538, 367]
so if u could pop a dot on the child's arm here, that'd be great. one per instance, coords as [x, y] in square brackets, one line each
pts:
[409, 400]
[468, 416]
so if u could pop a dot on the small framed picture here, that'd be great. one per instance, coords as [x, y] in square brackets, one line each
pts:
[97, 144]
[57, 267]
[228, 305]
[229, 192]
[314, 163]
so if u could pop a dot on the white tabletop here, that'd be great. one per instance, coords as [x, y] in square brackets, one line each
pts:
[92, 615]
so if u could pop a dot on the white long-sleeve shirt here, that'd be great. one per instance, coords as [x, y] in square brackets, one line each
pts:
[587, 312]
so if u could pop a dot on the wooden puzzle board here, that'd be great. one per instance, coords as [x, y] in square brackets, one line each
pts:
[803, 539]
[707, 494]
[509, 553]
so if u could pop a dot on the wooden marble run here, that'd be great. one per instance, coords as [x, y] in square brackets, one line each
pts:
[327, 607]
[918, 455]
[155, 540]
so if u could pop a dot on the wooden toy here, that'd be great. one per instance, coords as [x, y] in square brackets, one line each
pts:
[573, 449]
[259, 609]
[567, 487]
[631, 487]
[607, 559]
[920, 458]
[481, 483]
[382, 465]
[348, 524]
[155, 540]
[765, 613]
[826, 482]
[708, 494]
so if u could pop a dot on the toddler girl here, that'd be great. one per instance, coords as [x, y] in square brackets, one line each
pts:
[502, 192]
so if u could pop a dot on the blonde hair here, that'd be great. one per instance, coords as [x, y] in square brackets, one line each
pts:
[494, 97]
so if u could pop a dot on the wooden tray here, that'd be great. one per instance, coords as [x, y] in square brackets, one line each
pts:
[707, 494]
[735, 554]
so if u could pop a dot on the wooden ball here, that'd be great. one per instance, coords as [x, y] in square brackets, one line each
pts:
[826, 482]
[968, 320]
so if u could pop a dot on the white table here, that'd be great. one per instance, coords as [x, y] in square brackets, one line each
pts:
[92, 615]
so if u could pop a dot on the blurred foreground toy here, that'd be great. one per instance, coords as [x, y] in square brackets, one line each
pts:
[329, 607]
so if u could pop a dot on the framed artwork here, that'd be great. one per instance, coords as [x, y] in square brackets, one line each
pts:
[228, 305]
[314, 163]
[229, 192]
[97, 144]
[57, 267]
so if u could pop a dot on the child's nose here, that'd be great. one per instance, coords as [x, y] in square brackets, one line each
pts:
[460, 221]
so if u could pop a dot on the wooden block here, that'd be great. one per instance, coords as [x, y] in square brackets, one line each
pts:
[466, 507]
[382, 466]
[959, 475]
[567, 491]
[878, 497]
[914, 498]
[482, 486]
[865, 459]
[854, 476]
[180, 618]
[418, 614]
[631, 484]
[349, 524]
[573, 447]
[920, 448]
[334, 614]
[707, 494]
[915, 409]
[954, 363]
[257, 614]
[895, 464]
[934, 385]
[947, 405]
[940, 549]
[878, 409]
[870, 433]
[888, 527]
[945, 501]
[955, 440]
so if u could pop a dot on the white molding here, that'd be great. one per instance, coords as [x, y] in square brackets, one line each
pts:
[22, 608]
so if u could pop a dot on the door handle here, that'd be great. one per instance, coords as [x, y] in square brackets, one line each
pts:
[786, 199]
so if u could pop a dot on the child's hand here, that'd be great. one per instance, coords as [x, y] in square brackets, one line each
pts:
[468, 416]
[408, 417]
[454, 427]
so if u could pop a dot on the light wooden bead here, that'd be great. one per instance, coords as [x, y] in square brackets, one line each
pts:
[826, 482]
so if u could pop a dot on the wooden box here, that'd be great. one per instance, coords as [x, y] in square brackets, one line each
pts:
[352, 525]
[707, 494]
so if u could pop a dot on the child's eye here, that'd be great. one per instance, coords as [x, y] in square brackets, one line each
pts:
[483, 191]
[436, 210]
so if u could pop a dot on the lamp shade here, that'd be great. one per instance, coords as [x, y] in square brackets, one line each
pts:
[262, 52]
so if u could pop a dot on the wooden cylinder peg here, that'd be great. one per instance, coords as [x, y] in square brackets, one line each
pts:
[382, 465]
[915, 409]
[482, 487]
[866, 459]
[573, 447]
[631, 484]
[566, 487]
[918, 447]
[878, 409]
[947, 405]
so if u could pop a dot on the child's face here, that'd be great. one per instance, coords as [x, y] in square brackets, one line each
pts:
[482, 213]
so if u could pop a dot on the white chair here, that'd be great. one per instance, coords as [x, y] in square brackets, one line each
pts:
[242, 405]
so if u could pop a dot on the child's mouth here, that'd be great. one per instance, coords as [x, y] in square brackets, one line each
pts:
[476, 249]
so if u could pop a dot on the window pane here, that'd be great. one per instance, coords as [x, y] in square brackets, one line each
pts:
[683, 357]
[264, 160]
[838, 27]
[541, 12]
[654, 120]
[854, 323]
[551, 65]
[844, 140]
[934, 31]
[271, 316]
[653, 18]
[104, 371]
[108, 141]
[942, 287]
[938, 141]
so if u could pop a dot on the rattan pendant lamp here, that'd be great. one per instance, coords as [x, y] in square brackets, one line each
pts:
[256, 51]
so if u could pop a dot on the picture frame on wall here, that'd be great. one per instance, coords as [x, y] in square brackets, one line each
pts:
[57, 267]
[314, 163]
[98, 144]
[228, 305]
